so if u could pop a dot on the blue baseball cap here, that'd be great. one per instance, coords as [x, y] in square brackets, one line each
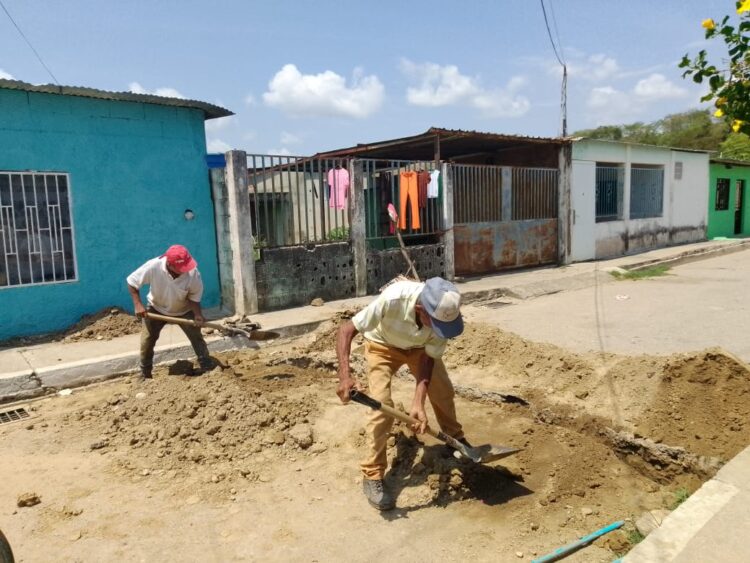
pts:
[442, 301]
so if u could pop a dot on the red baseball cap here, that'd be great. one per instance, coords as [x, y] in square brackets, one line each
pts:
[179, 259]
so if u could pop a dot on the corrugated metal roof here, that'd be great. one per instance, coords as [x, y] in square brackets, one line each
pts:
[730, 161]
[452, 142]
[209, 110]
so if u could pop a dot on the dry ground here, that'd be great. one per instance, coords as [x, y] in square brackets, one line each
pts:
[257, 460]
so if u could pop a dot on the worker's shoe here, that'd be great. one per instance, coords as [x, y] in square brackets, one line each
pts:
[206, 364]
[146, 375]
[377, 495]
[451, 451]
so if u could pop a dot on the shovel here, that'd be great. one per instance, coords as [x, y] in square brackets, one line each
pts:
[477, 454]
[249, 334]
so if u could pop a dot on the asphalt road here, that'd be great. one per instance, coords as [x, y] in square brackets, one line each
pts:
[698, 305]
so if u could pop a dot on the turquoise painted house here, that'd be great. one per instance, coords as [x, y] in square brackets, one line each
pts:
[728, 206]
[93, 184]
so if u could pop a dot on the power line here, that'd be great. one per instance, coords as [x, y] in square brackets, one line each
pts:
[561, 60]
[28, 42]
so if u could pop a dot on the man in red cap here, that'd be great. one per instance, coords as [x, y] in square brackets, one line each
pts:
[175, 290]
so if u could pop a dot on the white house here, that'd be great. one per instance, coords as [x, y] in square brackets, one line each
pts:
[627, 198]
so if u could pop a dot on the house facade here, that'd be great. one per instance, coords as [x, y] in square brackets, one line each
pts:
[627, 198]
[92, 184]
[728, 211]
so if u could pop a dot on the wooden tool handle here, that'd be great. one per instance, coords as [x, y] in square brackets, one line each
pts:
[181, 321]
[363, 399]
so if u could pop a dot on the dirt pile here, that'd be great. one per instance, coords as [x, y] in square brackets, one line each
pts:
[702, 404]
[106, 324]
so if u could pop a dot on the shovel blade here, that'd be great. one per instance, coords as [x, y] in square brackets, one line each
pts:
[487, 453]
[254, 334]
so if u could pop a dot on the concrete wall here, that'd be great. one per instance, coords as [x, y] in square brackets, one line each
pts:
[295, 275]
[489, 247]
[721, 223]
[684, 214]
[384, 265]
[134, 170]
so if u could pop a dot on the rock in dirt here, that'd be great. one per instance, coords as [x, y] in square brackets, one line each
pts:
[302, 435]
[99, 444]
[650, 521]
[28, 499]
[317, 302]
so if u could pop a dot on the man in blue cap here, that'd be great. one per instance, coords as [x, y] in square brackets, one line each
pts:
[409, 323]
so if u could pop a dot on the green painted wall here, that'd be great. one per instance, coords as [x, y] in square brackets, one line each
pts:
[721, 223]
[134, 169]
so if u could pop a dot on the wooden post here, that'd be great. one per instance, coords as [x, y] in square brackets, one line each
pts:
[241, 239]
[358, 226]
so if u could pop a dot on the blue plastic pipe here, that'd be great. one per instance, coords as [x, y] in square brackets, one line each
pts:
[566, 550]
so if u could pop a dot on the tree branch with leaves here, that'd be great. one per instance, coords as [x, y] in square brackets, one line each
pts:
[729, 83]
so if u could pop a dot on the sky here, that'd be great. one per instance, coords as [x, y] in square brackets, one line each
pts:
[308, 76]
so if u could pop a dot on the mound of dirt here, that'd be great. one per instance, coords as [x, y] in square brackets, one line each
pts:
[106, 324]
[702, 404]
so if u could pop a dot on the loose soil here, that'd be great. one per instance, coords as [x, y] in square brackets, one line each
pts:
[257, 459]
[106, 324]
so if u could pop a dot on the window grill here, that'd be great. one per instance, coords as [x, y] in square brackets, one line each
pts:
[646, 191]
[610, 181]
[36, 229]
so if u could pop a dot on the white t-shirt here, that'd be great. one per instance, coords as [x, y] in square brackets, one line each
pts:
[166, 294]
[433, 187]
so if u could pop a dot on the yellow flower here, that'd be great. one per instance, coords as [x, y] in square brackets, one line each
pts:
[709, 23]
[736, 124]
[744, 7]
[719, 113]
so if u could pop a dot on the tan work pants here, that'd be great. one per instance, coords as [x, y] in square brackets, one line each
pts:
[382, 363]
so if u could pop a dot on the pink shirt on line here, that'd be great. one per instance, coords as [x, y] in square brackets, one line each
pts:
[338, 180]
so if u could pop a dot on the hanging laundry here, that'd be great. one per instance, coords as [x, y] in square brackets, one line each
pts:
[384, 187]
[423, 178]
[408, 194]
[432, 188]
[338, 180]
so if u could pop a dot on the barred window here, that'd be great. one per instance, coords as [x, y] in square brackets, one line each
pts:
[646, 191]
[610, 181]
[722, 194]
[36, 229]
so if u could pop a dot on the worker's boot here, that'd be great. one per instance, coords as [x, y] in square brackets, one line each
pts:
[377, 495]
[206, 364]
[146, 373]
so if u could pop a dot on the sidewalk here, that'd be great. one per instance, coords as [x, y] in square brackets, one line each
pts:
[31, 371]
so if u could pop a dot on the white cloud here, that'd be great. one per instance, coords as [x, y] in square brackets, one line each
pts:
[219, 123]
[290, 138]
[657, 87]
[437, 85]
[280, 152]
[324, 94]
[595, 67]
[136, 88]
[217, 145]
[610, 105]
[6, 75]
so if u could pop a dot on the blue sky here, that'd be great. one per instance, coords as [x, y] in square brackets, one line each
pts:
[308, 76]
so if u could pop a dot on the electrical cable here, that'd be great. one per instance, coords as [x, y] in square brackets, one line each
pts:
[7, 13]
[560, 59]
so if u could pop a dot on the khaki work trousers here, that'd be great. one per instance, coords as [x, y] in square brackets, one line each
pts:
[382, 363]
[150, 330]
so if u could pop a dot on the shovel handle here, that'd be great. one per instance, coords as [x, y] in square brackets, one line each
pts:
[181, 321]
[368, 401]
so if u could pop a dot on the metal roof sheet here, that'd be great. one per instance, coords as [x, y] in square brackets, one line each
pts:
[210, 111]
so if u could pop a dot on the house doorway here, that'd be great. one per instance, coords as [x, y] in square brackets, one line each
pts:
[738, 206]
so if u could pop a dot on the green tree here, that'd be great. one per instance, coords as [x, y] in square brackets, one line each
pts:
[729, 82]
[736, 147]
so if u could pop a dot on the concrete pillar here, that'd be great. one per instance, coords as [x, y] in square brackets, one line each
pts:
[564, 213]
[448, 235]
[241, 240]
[506, 205]
[223, 248]
[358, 227]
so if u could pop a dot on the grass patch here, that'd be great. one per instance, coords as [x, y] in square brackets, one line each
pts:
[643, 273]
[635, 537]
[680, 496]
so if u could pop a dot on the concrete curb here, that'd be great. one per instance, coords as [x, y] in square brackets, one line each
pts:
[27, 384]
[691, 256]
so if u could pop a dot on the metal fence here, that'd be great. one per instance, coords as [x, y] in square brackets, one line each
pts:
[646, 192]
[610, 182]
[534, 193]
[298, 200]
[477, 193]
[415, 190]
